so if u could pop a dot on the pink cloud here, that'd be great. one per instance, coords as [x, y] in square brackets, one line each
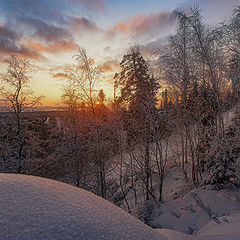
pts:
[59, 75]
[111, 65]
[56, 47]
[83, 24]
[142, 24]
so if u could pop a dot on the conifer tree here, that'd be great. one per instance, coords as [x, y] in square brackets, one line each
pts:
[138, 92]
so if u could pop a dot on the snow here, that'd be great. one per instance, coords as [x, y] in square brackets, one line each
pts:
[37, 208]
[187, 215]
[227, 228]
[42, 209]
[175, 184]
[173, 235]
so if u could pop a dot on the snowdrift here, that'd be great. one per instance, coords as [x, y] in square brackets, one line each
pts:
[227, 228]
[41, 209]
[195, 210]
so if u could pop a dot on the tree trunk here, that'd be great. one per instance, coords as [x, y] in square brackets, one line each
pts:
[147, 169]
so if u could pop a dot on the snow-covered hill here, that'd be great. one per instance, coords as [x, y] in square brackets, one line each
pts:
[42, 209]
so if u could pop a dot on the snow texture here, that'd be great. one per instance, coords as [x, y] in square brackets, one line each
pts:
[42, 209]
[37, 208]
[228, 228]
[195, 210]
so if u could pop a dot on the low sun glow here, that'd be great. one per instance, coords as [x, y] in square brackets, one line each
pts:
[135, 103]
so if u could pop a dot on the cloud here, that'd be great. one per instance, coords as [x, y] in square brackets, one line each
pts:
[45, 10]
[12, 42]
[10, 45]
[143, 26]
[111, 65]
[92, 4]
[107, 49]
[65, 67]
[36, 37]
[56, 47]
[6, 33]
[7, 48]
[33, 28]
[30, 32]
[50, 33]
[83, 24]
[59, 75]
[127, 26]
[150, 48]
[44, 31]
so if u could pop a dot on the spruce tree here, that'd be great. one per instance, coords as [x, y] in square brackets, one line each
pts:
[138, 90]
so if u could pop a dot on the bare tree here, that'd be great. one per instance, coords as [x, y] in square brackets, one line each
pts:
[228, 37]
[90, 123]
[18, 96]
[159, 149]
[193, 66]
[85, 78]
[177, 69]
[229, 32]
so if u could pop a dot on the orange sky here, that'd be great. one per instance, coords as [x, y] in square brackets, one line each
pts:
[48, 33]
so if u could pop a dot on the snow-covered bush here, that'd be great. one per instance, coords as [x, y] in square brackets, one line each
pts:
[224, 151]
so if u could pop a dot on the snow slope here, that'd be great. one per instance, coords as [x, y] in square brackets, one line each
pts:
[228, 228]
[41, 209]
[195, 210]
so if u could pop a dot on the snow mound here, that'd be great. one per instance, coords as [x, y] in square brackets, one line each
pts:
[195, 210]
[41, 209]
[226, 228]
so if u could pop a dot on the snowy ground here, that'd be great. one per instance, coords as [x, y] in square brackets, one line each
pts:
[192, 209]
[195, 210]
[42, 209]
[227, 228]
[37, 208]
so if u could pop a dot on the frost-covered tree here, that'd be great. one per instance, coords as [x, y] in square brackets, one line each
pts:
[138, 91]
[87, 131]
[84, 77]
[229, 32]
[221, 164]
[234, 72]
[176, 68]
[222, 157]
[16, 91]
[192, 66]
[228, 37]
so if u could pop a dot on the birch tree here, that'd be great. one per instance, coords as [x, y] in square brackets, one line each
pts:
[18, 96]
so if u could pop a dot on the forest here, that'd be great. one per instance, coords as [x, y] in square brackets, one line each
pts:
[181, 109]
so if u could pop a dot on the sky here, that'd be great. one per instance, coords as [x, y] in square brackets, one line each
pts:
[48, 33]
